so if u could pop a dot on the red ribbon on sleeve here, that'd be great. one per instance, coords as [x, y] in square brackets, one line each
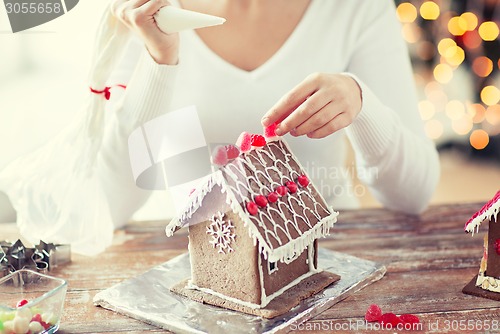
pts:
[106, 91]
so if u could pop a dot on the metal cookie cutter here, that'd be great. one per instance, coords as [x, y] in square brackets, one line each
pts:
[41, 258]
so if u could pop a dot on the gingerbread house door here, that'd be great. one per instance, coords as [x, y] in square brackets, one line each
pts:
[493, 262]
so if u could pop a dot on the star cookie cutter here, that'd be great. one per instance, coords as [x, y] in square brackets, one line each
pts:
[41, 258]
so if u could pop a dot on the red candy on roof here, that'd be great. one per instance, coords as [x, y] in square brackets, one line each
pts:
[258, 140]
[252, 208]
[270, 131]
[232, 152]
[273, 197]
[292, 186]
[282, 190]
[244, 142]
[219, 156]
[303, 180]
[261, 200]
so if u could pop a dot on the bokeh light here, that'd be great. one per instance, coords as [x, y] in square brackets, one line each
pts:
[455, 110]
[446, 47]
[477, 111]
[457, 57]
[426, 109]
[472, 40]
[462, 126]
[457, 67]
[433, 129]
[490, 95]
[482, 66]
[493, 114]
[443, 73]
[457, 26]
[434, 92]
[468, 20]
[488, 31]
[406, 12]
[429, 10]
[479, 139]
[411, 33]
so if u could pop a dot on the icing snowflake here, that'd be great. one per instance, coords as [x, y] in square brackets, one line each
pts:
[222, 233]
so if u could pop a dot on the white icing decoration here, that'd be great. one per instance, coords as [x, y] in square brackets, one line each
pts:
[488, 283]
[491, 213]
[275, 269]
[222, 232]
[192, 286]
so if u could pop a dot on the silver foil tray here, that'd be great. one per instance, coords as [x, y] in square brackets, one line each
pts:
[147, 298]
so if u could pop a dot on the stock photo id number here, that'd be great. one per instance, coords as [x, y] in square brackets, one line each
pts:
[24, 14]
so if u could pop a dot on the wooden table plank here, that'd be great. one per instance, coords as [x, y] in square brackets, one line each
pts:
[429, 259]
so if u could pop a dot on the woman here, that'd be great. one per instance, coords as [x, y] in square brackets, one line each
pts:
[324, 69]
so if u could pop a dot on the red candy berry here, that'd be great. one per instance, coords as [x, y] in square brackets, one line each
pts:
[409, 319]
[373, 313]
[45, 325]
[389, 320]
[258, 140]
[232, 152]
[270, 131]
[244, 142]
[292, 186]
[261, 200]
[303, 180]
[21, 303]
[219, 156]
[282, 190]
[252, 208]
[37, 318]
[273, 197]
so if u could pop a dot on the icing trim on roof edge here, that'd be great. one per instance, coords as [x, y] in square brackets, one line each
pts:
[492, 212]
[281, 253]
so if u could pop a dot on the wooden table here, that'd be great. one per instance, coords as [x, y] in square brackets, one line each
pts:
[429, 260]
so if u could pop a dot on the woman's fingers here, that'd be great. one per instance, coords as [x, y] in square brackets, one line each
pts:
[319, 106]
[138, 16]
[287, 104]
[305, 111]
[339, 122]
[149, 8]
[316, 121]
[134, 12]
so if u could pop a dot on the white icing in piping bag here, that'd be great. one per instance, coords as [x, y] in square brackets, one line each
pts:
[172, 19]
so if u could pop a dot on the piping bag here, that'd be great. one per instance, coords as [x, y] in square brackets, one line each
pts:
[56, 189]
[173, 19]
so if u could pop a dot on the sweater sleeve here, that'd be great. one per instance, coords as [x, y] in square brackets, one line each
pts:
[394, 158]
[148, 95]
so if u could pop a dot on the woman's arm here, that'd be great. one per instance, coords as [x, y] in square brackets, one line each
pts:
[388, 135]
[376, 102]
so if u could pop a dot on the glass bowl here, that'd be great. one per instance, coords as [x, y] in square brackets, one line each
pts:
[31, 303]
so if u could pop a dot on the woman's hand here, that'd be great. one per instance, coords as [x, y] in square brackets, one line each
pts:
[319, 106]
[138, 16]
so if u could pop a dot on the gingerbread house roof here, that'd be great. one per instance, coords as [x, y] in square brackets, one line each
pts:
[282, 227]
[489, 210]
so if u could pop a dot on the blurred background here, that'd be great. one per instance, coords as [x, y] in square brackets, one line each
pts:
[454, 46]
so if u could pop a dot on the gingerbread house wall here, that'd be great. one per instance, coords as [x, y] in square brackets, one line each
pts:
[286, 273]
[493, 258]
[233, 274]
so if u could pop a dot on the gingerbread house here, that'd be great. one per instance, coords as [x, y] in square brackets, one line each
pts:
[253, 228]
[487, 282]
